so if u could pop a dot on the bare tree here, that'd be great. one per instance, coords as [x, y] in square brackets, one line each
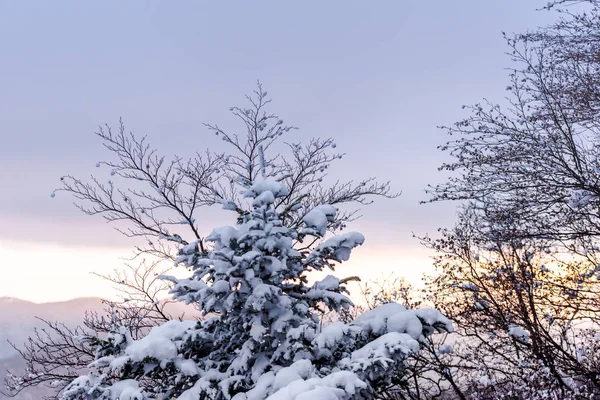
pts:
[517, 273]
[53, 354]
[534, 160]
[159, 199]
[557, 3]
[527, 316]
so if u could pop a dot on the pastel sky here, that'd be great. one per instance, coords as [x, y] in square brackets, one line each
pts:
[376, 76]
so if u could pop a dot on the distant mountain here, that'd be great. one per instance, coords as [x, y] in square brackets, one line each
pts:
[18, 318]
[17, 322]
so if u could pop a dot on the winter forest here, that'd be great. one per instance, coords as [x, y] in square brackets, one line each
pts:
[510, 311]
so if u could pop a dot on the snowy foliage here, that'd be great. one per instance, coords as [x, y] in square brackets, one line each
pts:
[262, 336]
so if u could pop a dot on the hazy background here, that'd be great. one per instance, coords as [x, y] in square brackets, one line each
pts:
[377, 76]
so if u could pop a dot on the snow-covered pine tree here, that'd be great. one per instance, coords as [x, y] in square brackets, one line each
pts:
[262, 336]
[160, 200]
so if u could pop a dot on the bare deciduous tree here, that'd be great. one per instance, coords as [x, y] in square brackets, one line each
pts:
[518, 272]
[159, 199]
[527, 316]
[535, 160]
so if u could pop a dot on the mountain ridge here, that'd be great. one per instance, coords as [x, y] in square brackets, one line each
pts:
[11, 299]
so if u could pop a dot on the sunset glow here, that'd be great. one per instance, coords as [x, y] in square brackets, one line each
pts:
[50, 273]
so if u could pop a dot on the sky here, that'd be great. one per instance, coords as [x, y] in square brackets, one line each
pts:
[378, 77]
